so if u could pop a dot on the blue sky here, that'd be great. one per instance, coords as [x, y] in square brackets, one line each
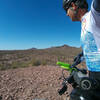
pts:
[38, 24]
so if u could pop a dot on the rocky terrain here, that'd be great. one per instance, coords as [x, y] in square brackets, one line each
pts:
[31, 83]
[33, 74]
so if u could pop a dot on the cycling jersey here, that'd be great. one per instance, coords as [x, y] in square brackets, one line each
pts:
[90, 39]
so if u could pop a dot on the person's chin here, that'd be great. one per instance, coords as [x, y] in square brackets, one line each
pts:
[74, 20]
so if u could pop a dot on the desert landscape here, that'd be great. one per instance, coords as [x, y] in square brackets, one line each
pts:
[32, 74]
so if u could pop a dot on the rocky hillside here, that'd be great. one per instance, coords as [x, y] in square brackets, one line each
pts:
[35, 57]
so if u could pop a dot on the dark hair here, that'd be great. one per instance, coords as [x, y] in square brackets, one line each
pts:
[82, 4]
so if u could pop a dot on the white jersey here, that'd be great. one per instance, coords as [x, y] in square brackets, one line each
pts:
[90, 39]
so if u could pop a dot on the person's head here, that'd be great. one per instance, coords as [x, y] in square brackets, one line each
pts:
[75, 9]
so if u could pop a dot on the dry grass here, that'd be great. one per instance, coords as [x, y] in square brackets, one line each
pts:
[35, 57]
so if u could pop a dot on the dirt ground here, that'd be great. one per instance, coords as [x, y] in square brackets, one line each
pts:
[31, 83]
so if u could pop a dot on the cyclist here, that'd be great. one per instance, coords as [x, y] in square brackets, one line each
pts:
[77, 10]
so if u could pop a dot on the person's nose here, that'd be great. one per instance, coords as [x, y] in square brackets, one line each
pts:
[67, 14]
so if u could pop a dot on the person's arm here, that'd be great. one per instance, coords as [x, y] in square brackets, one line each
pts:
[96, 5]
[79, 58]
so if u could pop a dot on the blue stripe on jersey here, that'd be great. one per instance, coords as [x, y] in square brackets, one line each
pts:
[92, 56]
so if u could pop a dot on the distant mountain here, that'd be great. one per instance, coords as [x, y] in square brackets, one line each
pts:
[32, 49]
[33, 56]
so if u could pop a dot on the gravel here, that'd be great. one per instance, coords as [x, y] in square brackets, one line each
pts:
[31, 83]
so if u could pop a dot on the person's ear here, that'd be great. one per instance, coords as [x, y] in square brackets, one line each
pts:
[74, 6]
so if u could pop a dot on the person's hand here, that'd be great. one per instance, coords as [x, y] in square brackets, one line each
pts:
[78, 58]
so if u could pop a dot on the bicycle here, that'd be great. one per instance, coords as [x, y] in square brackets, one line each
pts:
[83, 85]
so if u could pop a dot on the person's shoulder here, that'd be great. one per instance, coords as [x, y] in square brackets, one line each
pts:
[93, 11]
[96, 6]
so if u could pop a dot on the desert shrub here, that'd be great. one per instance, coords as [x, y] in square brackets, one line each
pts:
[1, 67]
[43, 62]
[35, 62]
[4, 66]
[59, 58]
[16, 64]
